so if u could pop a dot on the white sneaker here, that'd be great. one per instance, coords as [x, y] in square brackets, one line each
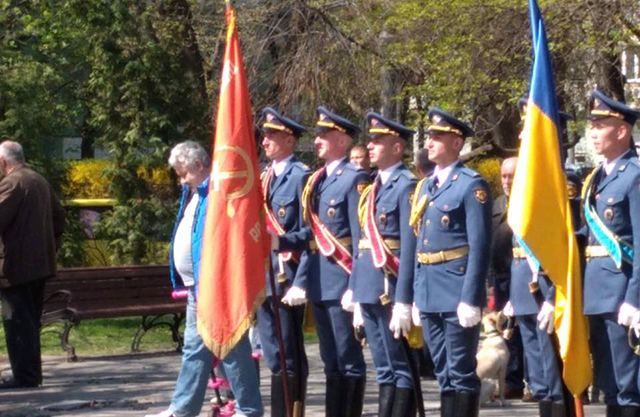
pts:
[166, 413]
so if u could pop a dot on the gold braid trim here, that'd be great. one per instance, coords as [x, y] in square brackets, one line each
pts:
[418, 206]
[307, 193]
[362, 205]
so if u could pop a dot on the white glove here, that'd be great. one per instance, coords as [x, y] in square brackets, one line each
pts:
[415, 316]
[545, 317]
[358, 320]
[626, 314]
[508, 310]
[468, 315]
[347, 301]
[295, 296]
[400, 320]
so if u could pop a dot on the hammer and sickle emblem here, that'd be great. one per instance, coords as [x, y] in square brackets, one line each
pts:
[218, 175]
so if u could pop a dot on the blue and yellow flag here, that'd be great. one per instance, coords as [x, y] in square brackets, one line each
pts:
[539, 212]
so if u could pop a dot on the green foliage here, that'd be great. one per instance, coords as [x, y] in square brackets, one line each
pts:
[489, 168]
[134, 230]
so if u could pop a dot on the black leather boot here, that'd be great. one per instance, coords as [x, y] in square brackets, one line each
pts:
[629, 411]
[353, 396]
[277, 397]
[447, 404]
[404, 404]
[558, 409]
[613, 410]
[544, 408]
[334, 396]
[385, 399]
[466, 404]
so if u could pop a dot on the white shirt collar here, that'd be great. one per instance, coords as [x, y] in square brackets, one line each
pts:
[331, 166]
[608, 166]
[386, 173]
[278, 167]
[443, 173]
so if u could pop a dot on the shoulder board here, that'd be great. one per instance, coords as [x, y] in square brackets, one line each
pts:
[469, 172]
[404, 173]
[634, 162]
[351, 167]
[301, 166]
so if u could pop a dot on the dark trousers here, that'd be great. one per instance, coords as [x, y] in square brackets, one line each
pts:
[515, 368]
[21, 313]
[291, 320]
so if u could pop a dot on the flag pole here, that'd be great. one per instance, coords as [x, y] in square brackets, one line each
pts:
[275, 306]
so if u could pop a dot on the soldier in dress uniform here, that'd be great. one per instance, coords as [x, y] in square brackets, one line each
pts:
[282, 184]
[383, 270]
[532, 302]
[611, 196]
[330, 210]
[451, 213]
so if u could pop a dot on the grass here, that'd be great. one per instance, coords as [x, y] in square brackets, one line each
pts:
[110, 337]
[102, 337]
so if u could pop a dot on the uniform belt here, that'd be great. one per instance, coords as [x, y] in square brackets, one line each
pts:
[519, 253]
[392, 244]
[595, 251]
[344, 241]
[430, 258]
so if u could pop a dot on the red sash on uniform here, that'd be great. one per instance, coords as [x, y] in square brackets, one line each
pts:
[328, 244]
[271, 221]
[382, 256]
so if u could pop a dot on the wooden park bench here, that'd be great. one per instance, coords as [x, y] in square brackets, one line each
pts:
[77, 294]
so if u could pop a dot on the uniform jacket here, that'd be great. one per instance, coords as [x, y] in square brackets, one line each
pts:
[197, 231]
[617, 203]
[458, 213]
[31, 222]
[522, 300]
[336, 202]
[392, 211]
[284, 199]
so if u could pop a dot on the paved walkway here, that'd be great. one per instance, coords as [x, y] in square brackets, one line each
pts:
[138, 384]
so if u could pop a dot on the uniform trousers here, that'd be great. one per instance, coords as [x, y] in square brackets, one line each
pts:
[616, 366]
[545, 380]
[291, 321]
[453, 349]
[340, 351]
[388, 354]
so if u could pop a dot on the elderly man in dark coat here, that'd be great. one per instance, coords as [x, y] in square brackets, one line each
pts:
[31, 222]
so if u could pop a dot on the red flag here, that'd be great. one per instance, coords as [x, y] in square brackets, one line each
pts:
[235, 248]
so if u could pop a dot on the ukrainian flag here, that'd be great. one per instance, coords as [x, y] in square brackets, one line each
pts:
[539, 212]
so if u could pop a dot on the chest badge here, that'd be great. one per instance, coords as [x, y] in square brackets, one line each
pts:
[445, 220]
[608, 213]
[331, 212]
[480, 195]
[383, 218]
[281, 212]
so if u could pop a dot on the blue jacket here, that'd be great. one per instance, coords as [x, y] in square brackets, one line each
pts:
[284, 198]
[197, 235]
[617, 203]
[393, 208]
[458, 214]
[522, 300]
[336, 202]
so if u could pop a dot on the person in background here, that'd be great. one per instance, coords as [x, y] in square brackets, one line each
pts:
[191, 164]
[31, 225]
